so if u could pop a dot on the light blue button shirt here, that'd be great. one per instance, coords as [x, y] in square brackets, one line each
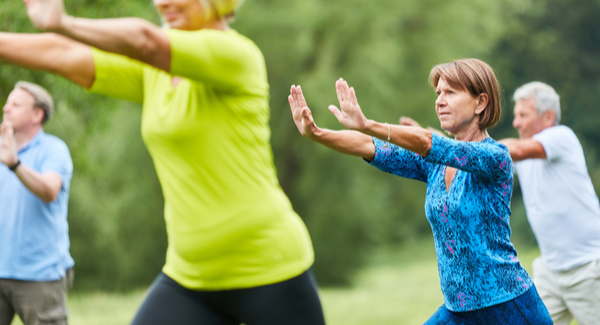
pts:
[34, 235]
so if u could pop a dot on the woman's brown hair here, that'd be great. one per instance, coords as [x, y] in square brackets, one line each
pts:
[476, 77]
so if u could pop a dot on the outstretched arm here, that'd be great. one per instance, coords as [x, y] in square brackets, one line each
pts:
[407, 121]
[132, 37]
[347, 142]
[49, 52]
[524, 149]
[350, 115]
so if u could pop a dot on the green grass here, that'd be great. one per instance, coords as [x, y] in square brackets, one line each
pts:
[399, 287]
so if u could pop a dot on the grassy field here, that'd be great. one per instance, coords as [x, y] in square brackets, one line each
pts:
[399, 287]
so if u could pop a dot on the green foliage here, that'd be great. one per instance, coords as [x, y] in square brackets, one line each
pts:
[385, 49]
[556, 42]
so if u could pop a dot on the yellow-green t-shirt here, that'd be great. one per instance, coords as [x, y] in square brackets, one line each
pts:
[229, 223]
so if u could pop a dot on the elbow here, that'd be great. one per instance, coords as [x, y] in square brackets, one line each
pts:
[516, 154]
[427, 144]
[49, 197]
[154, 48]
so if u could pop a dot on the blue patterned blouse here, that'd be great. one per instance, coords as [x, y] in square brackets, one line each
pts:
[477, 263]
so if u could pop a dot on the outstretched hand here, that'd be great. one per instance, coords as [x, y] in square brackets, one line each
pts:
[46, 15]
[8, 148]
[301, 113]
[349, 115]
[407, 121]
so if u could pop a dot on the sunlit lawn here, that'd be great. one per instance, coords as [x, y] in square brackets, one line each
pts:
[399, 287]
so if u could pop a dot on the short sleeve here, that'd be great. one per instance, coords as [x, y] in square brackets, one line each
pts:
[222, 59]
[558, 142]
[399, 161]
[118, 76]
[57, 159]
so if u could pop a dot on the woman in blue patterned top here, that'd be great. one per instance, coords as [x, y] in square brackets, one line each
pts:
[469, 188]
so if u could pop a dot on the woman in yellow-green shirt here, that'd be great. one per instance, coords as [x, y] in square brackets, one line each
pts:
[237, 251]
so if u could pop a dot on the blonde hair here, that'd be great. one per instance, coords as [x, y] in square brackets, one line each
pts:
[222, 8]
[41, 98]
[476, 77]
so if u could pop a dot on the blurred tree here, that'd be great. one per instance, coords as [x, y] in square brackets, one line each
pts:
[384, 48]
[556, 42]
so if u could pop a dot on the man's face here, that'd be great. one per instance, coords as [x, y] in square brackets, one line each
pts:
[527, 120]
[19, 110]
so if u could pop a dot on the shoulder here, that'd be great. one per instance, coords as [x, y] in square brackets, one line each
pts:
[55, 145]
[494, 147]
[556, 132]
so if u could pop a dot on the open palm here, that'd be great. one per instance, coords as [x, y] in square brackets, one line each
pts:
[301, 113]
[349, 115]
[45, 14]
[8, 152]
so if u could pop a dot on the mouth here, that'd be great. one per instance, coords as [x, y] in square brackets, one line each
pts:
[170, 16]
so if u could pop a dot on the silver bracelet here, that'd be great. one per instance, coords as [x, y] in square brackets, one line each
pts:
[388, 138]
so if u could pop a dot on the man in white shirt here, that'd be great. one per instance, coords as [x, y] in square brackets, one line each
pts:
[562, 207]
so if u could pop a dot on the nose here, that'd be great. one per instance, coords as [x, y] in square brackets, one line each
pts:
[516, 123]
[439, 102]
[161, 3]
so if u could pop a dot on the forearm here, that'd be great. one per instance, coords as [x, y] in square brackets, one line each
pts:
[347, 142]
[45, 186]
[414, 139]
[524, 149]
[133, 37]
[49, 52]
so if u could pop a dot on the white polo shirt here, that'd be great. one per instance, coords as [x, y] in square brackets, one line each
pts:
[561, 204]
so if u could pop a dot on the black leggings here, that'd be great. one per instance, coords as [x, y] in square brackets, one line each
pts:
[291, 302]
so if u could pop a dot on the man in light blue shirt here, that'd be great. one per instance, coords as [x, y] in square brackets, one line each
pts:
[35, 175]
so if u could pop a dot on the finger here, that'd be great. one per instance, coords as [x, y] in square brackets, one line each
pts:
[301, 100]
[347, 95]
[338, 91]
[343, 87]
[295, 96]
[353, 96]
[307, 115]
[291, 101]
[336, 112]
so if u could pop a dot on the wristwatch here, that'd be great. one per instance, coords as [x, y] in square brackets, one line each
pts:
[14, 167]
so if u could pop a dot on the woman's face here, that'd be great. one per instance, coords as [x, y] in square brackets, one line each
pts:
[457, 110]
[182, 14]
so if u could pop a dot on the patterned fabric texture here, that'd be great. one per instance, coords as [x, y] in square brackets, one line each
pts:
[477, 263]
[527, 309]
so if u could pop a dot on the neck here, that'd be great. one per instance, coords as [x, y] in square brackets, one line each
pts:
[220, 24]
[471, 134]
[24, 136]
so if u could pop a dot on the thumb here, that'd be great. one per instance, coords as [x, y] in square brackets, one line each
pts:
[336, 112]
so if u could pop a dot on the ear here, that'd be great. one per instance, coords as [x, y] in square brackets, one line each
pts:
[548, 118]
[38, 115]
[482, 103]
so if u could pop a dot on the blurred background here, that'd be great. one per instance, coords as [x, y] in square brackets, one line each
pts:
[356, 215]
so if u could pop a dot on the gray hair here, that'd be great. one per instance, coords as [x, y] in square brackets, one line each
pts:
[41, 98]
[545, 97]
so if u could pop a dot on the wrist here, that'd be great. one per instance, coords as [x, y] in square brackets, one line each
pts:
[315, 133]
[370, 127]
[64, 25]
[14, 166]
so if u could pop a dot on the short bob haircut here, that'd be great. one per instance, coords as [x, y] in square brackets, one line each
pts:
[222, 8]
[476, 77]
